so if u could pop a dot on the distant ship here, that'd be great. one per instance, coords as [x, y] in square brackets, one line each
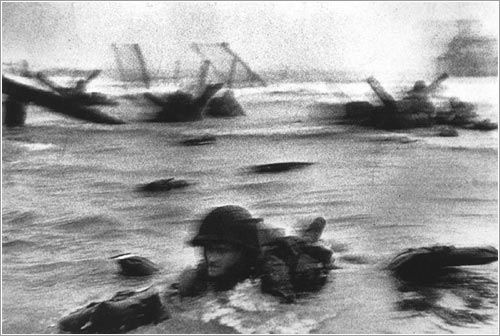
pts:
[469, 54]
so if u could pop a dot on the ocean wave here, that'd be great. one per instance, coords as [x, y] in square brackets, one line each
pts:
[280, 130]
[146, 232]
[363, 218]
[247, 310]
[109, 234]
[466, 199]
[17, 245]
[29, 145]
[37, 146]
[87, 223]
[50, 266]
[16, 217]
[467, 140]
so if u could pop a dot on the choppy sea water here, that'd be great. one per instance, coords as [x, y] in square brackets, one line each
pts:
[70, 201]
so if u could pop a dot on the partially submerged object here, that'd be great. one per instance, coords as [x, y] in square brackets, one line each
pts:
[199, 141]
[24, 94]
[414, 110]
[125, 311]
[133, 265]
[447, 131]
[223, 105]
[78, 92]
[14, 112]
[424, 262]
[182, 106]
[164, 185]
[279, 167]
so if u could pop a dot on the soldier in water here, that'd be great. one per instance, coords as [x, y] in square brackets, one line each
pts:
[233, 252]
[229, 238]
[419, 98]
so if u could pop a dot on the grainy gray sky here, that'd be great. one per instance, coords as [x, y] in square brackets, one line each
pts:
[366, 36]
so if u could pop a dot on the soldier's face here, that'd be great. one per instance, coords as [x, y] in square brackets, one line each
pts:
[221, 258]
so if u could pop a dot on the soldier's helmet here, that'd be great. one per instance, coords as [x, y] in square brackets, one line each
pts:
[229, 224]
[419, 85]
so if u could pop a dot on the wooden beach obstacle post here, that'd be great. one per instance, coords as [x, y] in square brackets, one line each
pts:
[132, 53]
[14, 112]
[236, 60]
[202, 79]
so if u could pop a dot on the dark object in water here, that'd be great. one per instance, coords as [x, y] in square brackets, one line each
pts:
[125, 311]
[176, 107]
[203, 140]
[415, 110]
[78, 93]
[14, 112]
[55, 102]
[426, 261]
[446, 131]
[223, 105]
[164, 185]
[296, 264]
[134, 265]
[482, 125]
[279, 167]
[182, 106]
[92, 98]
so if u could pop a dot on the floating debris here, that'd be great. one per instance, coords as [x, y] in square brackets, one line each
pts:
[164, 185]
[446, 131]
[199, 141]
[134, 265]
[426, 261]
[279, 167]
[125, 311]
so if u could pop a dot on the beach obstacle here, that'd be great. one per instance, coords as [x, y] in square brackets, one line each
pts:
[23, 94]
[182, 106]
[14, 112]
[409, 113]
[223, 105]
